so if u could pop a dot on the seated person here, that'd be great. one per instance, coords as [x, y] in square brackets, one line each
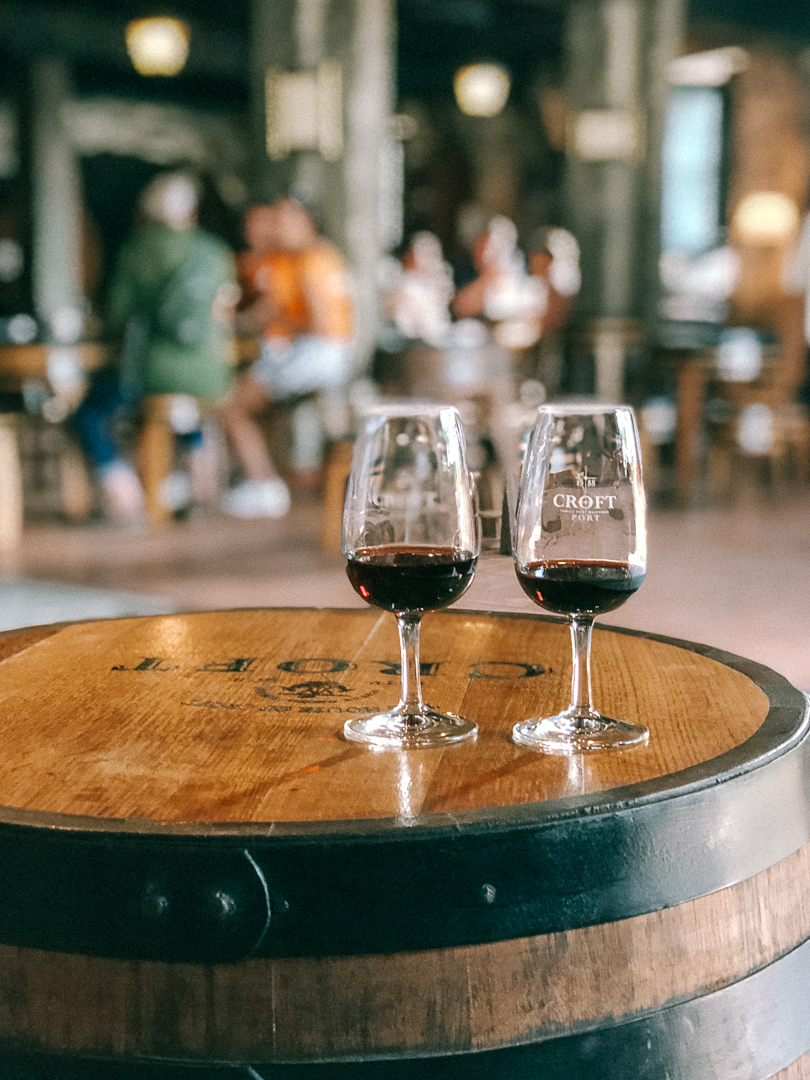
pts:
[171, 298]
[554, 259]
[420, 295]
[300, 302]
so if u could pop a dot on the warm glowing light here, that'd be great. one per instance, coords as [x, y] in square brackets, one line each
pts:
[157, 46]
[766, 217]
[713, 68]
[481, 89]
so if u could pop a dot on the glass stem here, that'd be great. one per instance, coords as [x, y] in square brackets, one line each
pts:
[581, 627]
[411, 701]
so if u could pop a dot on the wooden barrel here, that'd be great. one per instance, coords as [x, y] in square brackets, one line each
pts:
[201, 878]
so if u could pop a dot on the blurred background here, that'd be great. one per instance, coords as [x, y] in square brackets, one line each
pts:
[227, 229]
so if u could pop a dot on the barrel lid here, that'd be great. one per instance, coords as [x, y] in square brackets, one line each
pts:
[212, 733]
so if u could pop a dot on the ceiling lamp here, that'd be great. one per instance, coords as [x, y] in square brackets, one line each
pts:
[157, 46]
[481, 89]
[766, 217]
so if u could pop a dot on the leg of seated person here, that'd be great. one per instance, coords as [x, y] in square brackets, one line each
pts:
[94, 424]
[204, 466]
[263, 493]
[239, 419]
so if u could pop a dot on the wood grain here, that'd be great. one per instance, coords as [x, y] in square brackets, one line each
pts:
[237, 716]
[799, 1070]
[16, 641]
[450, 1000]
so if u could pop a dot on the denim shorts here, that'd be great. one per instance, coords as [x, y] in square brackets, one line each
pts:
[302, 366]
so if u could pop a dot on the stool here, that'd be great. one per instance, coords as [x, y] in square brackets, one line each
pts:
[338, 467]
[155, 454]
[163, 416]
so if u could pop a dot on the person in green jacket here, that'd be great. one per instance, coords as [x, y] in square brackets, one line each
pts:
[173, 290]
[171, 300]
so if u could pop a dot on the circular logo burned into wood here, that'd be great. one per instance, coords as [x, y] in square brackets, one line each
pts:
[315, 688]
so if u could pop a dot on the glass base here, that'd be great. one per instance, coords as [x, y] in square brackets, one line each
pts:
[573, 732]
[398, 730]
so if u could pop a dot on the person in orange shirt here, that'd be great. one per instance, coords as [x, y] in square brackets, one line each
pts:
[299, 298]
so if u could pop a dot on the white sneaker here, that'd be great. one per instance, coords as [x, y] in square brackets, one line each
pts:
[122, 492]
[258, 499]
[175, 491]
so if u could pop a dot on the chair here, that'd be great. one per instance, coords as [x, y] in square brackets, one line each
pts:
[757, 420]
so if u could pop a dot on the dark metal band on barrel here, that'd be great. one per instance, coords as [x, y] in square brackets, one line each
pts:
[221, 893]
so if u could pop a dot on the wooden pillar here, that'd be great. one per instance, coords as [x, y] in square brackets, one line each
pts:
[349, 45]
[617, 52]
[57, 224]
[272, 47]
[369, 106]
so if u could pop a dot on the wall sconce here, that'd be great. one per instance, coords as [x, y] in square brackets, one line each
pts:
[481, 89]
[157, 46]
[607, 135]
[304, 111]
[766, 217]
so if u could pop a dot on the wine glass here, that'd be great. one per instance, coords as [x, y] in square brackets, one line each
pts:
[580, 550]
[411, 536]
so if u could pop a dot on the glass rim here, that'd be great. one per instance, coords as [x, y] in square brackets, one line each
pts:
[406, 408]
[584, 408]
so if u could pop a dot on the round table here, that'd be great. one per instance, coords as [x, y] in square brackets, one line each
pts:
[202, 878]
[62, 367]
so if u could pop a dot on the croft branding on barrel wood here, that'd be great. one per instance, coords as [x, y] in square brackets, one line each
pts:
[318, 695]
[482, 669]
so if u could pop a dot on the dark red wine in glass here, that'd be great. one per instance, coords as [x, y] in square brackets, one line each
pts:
[579, 587]
[411, 579]
[411, 537]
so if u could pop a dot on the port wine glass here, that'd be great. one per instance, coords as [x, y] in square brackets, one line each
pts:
[411, 536]
[580, 551]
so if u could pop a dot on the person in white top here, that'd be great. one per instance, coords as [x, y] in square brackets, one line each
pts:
[419, 299]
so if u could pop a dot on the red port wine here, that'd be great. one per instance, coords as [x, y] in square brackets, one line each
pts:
[399, 578]
[579, 587]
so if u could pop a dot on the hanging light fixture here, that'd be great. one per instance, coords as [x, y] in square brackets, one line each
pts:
[157, 46]
[481, 89]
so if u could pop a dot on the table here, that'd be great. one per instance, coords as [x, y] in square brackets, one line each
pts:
[57, 364]
[199, 873]
[18, 362]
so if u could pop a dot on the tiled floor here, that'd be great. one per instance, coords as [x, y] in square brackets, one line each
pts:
[737, 578]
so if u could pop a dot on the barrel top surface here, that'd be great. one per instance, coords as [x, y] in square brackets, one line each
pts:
[236, 717]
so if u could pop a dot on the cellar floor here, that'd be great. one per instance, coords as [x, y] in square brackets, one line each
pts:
[735, 577]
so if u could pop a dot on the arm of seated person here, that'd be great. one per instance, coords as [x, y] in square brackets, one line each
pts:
[469, 300]
[253, 319]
